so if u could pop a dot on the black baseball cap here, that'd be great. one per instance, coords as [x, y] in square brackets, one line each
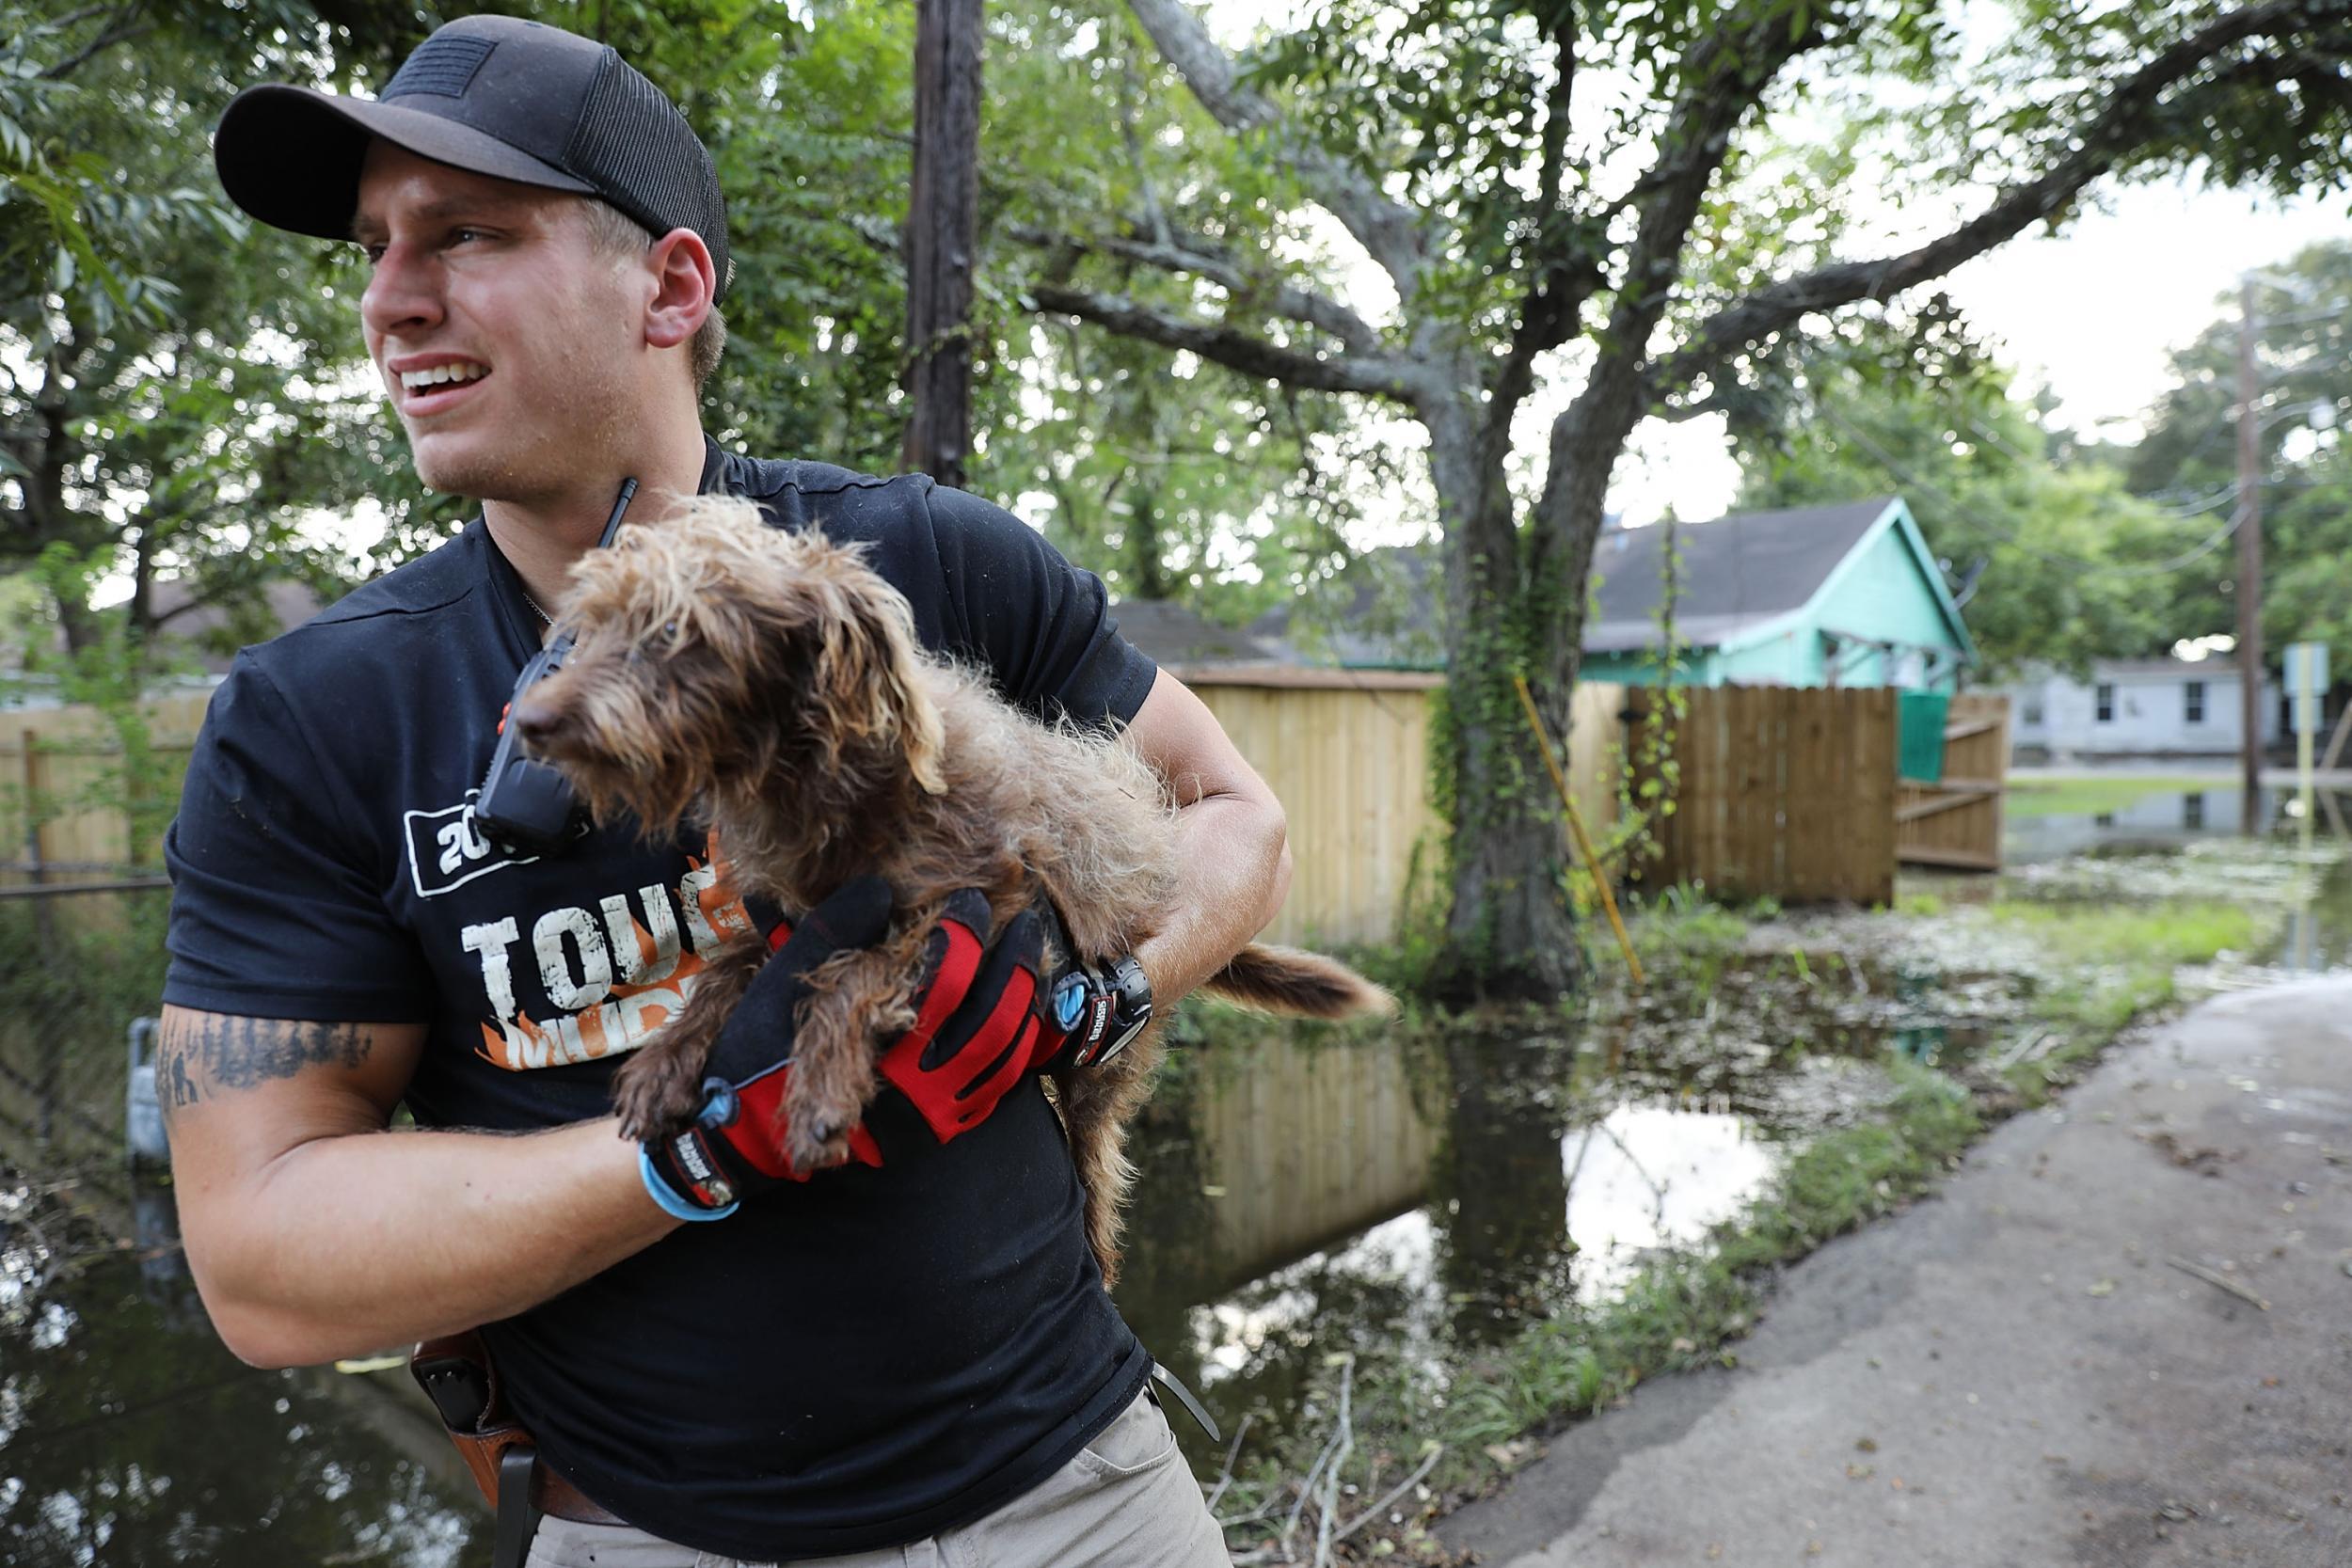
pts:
[495, 95]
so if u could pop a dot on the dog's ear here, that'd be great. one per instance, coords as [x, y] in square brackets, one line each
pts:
[868, 673]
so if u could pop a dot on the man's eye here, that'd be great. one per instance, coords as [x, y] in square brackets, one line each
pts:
[460, 236]
[374, 253]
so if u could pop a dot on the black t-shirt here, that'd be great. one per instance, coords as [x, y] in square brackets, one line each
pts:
[863, 1360]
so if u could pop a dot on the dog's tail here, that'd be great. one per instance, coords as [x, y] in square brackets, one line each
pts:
[1303, 984]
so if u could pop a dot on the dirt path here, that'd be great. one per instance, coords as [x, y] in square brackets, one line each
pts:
[2014, 1373]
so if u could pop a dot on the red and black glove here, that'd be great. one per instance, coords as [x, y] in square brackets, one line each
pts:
[981, 1023]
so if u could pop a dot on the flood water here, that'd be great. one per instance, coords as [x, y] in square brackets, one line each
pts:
[129, 1436]
[2166, 819]
[1410, 1201]
[1415, 1204]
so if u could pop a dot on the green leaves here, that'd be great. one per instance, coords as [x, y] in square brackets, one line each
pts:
[165, 369]
[2068, 567]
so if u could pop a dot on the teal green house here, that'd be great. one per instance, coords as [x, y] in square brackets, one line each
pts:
[1818, 596]
[1821, 595]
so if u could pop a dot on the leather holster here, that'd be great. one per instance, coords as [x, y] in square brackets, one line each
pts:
[457, 1375]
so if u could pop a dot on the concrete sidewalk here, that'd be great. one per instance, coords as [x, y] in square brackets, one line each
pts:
[2012, 1373]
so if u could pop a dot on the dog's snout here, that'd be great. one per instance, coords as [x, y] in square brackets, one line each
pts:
[536, 720]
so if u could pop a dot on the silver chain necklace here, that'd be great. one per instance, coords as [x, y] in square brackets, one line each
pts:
[544, 617]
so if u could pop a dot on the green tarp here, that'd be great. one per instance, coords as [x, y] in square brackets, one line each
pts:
[1919, 729]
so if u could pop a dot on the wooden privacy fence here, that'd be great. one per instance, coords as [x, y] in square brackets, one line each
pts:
[1785, 792]
[1957, 822]
[1780, 791]
[1346, 751]
[62, 818]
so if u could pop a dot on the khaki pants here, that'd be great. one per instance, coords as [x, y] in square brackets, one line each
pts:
[1127, 1500]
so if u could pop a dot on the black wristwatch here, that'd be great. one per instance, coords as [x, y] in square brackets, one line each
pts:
[1102, 1010]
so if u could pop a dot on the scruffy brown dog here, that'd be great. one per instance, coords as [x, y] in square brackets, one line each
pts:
[769, 682]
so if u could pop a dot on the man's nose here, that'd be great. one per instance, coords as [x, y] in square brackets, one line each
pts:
[403, 293]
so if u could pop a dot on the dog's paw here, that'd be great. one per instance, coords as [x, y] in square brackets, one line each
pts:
[654, 1098]
[815, 1139]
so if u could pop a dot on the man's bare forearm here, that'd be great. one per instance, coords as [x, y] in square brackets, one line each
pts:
[314, 1232]
[384, 1238]
[1235, 871]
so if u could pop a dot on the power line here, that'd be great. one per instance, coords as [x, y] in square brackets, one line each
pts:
[2227, 423]
[2213, 499]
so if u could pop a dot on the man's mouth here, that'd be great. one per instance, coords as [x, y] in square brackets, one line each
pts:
[427, 389]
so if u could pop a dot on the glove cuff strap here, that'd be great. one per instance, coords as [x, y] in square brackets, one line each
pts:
[668, 1198]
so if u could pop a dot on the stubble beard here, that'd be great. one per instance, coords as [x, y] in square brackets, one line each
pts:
[583, 415]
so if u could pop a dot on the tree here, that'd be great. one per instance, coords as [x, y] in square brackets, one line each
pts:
[1526, 232]
[2188, 456]
[1194, 485]
[173, 380]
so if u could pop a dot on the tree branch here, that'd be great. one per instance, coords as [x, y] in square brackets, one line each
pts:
[121, 31]
[1127, 94]
[1379, 375]
[1390, 230]
[1563, 275]
[1284, 300]
[2126, 119]
[1723, 78]
[206, 597]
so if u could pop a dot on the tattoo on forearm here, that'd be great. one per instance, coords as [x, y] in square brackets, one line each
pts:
[202, 1055]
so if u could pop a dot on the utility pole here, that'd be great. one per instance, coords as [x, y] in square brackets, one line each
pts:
[941, 237]
[2249, 557]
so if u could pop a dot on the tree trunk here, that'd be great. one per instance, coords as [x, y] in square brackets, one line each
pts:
[1151, 579]
[942, 237]
[1510, 934]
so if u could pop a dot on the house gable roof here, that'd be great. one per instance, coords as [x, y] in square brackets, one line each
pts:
[1734, 575]
[1740, 578]
[1930, 572]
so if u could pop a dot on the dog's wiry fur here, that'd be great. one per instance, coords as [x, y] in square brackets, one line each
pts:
[769, 682]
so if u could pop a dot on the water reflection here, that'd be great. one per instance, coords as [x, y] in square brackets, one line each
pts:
[1531, 1179]
[2165, 820]
[1499, 1213]
[130, 1435]
[1648, 1176]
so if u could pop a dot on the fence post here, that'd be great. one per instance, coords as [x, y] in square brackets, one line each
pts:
[52, 1047]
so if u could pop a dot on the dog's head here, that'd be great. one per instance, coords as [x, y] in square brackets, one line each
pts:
[715, 652]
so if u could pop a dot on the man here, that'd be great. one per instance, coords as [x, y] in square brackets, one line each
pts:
[901, 1360]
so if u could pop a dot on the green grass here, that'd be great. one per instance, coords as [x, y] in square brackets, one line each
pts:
[2118, 961]
[2090, 797]
[2175, 932]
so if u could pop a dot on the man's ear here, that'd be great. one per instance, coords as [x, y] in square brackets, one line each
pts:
[685, 287]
